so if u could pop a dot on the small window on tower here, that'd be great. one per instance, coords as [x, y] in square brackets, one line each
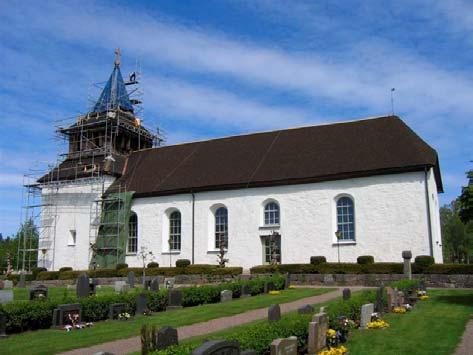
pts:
[72, 237]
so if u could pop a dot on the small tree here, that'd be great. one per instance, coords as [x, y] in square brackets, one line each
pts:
[466, 200]
[145, 255]
[221, 253]
[273, 247]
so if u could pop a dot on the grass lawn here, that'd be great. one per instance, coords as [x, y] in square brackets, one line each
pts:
[58, 293]
[435, 326]
[50, 341]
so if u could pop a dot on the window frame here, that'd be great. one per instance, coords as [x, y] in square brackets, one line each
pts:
[175, 236]
[271, 214]
[345, 217]
[223, 227]
[133, 237]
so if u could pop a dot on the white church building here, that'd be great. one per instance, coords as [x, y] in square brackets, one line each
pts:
[341, 190]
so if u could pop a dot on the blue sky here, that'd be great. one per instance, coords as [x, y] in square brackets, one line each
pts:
[215, 68]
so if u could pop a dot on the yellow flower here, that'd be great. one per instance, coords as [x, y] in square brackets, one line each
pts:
[292, 287]
[334, 351]
[378, 324]
[274, 292]
[423, 298]
[331, 333]
[399, 310]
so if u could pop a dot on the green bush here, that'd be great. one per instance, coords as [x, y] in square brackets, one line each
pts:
[365, 259]
[121, 266]
[24, 315]
[405, 285]
[182, 262]
[48, 275]
[36, 270]
[152, 265]
[65, 268]
[424, 261]
[316, 260]
[450, 269]
[330, 268]
[69, 275]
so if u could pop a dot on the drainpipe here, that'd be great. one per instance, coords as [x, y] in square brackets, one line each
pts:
[429, 220]
[193, 224]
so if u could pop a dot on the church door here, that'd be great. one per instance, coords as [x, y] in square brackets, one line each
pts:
[271, 248]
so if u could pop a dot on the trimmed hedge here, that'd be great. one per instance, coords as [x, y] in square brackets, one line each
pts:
[121, 266]
[182, 262]
[25, 315]
[65, 268]
[316, 260]
[365, 259]
[152, 264]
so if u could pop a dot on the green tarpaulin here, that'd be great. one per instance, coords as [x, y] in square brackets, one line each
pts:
[113, 231]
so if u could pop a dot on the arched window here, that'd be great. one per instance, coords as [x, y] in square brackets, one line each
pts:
[132, 245]
[221, 227]
[271, 214]
[175, 231]
[346, 218]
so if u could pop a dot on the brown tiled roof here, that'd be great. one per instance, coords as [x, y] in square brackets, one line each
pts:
[383, 145]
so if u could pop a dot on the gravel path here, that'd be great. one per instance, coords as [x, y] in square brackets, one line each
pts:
[466, 345]
[125, 346]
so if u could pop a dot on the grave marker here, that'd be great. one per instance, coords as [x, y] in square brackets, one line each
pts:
[346, 294]
[269, 286]
[407, 256]
[307, 309]
[115, 309]
[226, 296]
[284, 346]
[167, 336]
[66, 314]
[38, 293]
[218, 347]
[121, 287]
[366, 312]
[82, 287]
[154, 285]
[131, 279]
[317, 332]
[169, 282]
[22, 282]
[6, 296]
[174, 299]
[245, 291]
[379, 305]
[274, 313]
[141, 304]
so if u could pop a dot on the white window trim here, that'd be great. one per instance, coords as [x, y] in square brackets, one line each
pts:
[165, 231]
[211, 228]
[264, 226]
[335, 241]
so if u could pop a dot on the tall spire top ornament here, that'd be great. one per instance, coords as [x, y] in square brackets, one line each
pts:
[118, 54]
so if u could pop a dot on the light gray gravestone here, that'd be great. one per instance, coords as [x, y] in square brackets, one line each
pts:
[131, 279]
[3, 325]
[226, 296]
[167, 336]
[407, 256]
[284, 346]
[7, 285]
[366, 313]
[22, 282]
[245, 291]
[307, 309]
[218, 347]
[174, 299]
[141, 304]
[6, 296]
[317, 332]
[346, 294]
[169, 282]
[392, 298]
[274, 313]
[121, 287]
[154, 286]
[82, 287]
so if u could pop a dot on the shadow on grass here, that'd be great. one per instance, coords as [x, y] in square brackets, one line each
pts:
[465, 300]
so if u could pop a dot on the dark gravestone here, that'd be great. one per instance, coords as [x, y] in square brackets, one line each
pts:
[174, 299]
[379, 304]
[82, 287]
[92, 287]
[115, 309]
[346, 294]
[218, 347]
[287, 280]
[269, 286]
[67, 314]
[22, 282]
[131, 279]
[3, 325]
[38, 293]
[307, 309]
[147, 284]
[274, 313]
[141, 304]
[154, 286]
[167, 336]
[245, 291]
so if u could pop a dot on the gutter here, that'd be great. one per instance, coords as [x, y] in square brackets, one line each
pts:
[429, 218]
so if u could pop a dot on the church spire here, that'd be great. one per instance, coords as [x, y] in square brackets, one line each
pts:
[114, 95]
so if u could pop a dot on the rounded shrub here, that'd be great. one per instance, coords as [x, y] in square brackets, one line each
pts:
[65, 268]
[152, 265]
[316, 260]
[121, 266]
[36, 270]
[365, 259]
[424, 260]
[183, 262]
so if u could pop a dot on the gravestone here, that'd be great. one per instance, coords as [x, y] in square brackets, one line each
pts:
[245, 290]
[169, 282]
[284, 346]
[3, 325]
[322, 309]
[379, 305]
[226, 296]
[346, 294]
[174, 299]
[401, 298]
[115, 309]
[38, 293]
[141, 304]
[131, 279]
[22, 282]
[167, 336]
[121, 287]
[422, 284]
[154, 285]
[7, 285]
[317, 332]
[147, 284]
[6, 296]
[274, 313]
[366, 312]
[218, 347]
[307, 309]
[92, 287]
[66, 314]
[392, 298]
[82, 287]
[287, 280]
[407, 256]
[269, 286]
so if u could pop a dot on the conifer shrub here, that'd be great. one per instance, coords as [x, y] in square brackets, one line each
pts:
[182, 262]
[365, 259]
[317, 260]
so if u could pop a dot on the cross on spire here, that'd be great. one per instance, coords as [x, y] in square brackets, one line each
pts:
[118, 54]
